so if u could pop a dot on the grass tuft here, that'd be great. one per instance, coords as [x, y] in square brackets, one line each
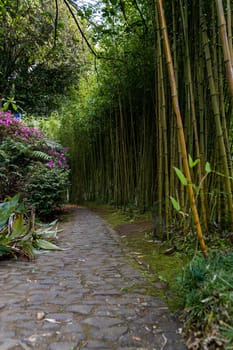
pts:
[207, 294]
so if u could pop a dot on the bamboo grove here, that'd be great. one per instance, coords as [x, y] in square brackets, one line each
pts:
[154, 57]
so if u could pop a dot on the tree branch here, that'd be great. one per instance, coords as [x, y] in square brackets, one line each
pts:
[141, 15]
[79, 28]
[56, 21]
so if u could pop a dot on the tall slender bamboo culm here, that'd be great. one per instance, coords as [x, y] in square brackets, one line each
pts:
[180, 124]
[225, 44]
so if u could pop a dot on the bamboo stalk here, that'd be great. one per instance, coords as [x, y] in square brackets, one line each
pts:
[180, 125]
[223, 114]
[161, 102]
[229, 28]
[160, 159]
[215, 104]
[165, 141]
[225, 44]
[193, 112]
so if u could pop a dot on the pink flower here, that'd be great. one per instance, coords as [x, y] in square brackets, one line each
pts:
[8, 114]
[50, 164]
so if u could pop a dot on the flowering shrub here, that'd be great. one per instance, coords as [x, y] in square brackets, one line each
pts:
[58, 159]
[28, 134]
[28, 161]
[8, 124]
[12, 126]
[6, 114]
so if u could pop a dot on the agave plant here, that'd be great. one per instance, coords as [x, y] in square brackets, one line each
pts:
[20, 235]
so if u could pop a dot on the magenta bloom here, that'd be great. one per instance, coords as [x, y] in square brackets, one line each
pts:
[50, 164]
[6, 121]
[21, 132]
[8, 114]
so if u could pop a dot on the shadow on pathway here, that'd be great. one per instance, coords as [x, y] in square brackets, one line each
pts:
[76, 298]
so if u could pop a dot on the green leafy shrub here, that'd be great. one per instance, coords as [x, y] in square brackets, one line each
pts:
[13, 166]
[207, 292]
[47, 188]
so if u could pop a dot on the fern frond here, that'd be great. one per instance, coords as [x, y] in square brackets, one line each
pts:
[52, 144]
[3, 155]
[41, 155]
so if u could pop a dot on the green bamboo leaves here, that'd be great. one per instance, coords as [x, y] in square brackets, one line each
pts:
[184, 180]
[208, 168]
[181, 176]
[124, 132]
[175, 203]
[193, 163]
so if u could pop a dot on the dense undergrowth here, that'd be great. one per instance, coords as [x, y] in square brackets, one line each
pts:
[33, 165]
[199, 290]
[207, 294]
[33, 183]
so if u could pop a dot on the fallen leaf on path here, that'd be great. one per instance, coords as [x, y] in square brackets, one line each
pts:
[51, 320]
[33, 338]
[136, 338]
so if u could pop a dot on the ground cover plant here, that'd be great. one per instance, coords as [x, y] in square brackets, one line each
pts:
[20, 235]
[207, 294]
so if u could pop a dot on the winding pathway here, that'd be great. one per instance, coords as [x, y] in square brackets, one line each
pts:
[80, 298]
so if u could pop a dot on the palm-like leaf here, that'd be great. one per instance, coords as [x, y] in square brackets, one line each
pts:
[18, 234]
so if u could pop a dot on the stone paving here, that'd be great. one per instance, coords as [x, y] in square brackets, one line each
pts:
[80, 298]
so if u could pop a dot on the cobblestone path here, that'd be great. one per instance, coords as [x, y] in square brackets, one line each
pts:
[80, 298]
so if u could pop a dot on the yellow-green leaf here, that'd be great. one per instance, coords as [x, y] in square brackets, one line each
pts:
[181, 176]
[208, 167]
[192, 163]
[41, 243]
[18, 227]
[175, 203]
